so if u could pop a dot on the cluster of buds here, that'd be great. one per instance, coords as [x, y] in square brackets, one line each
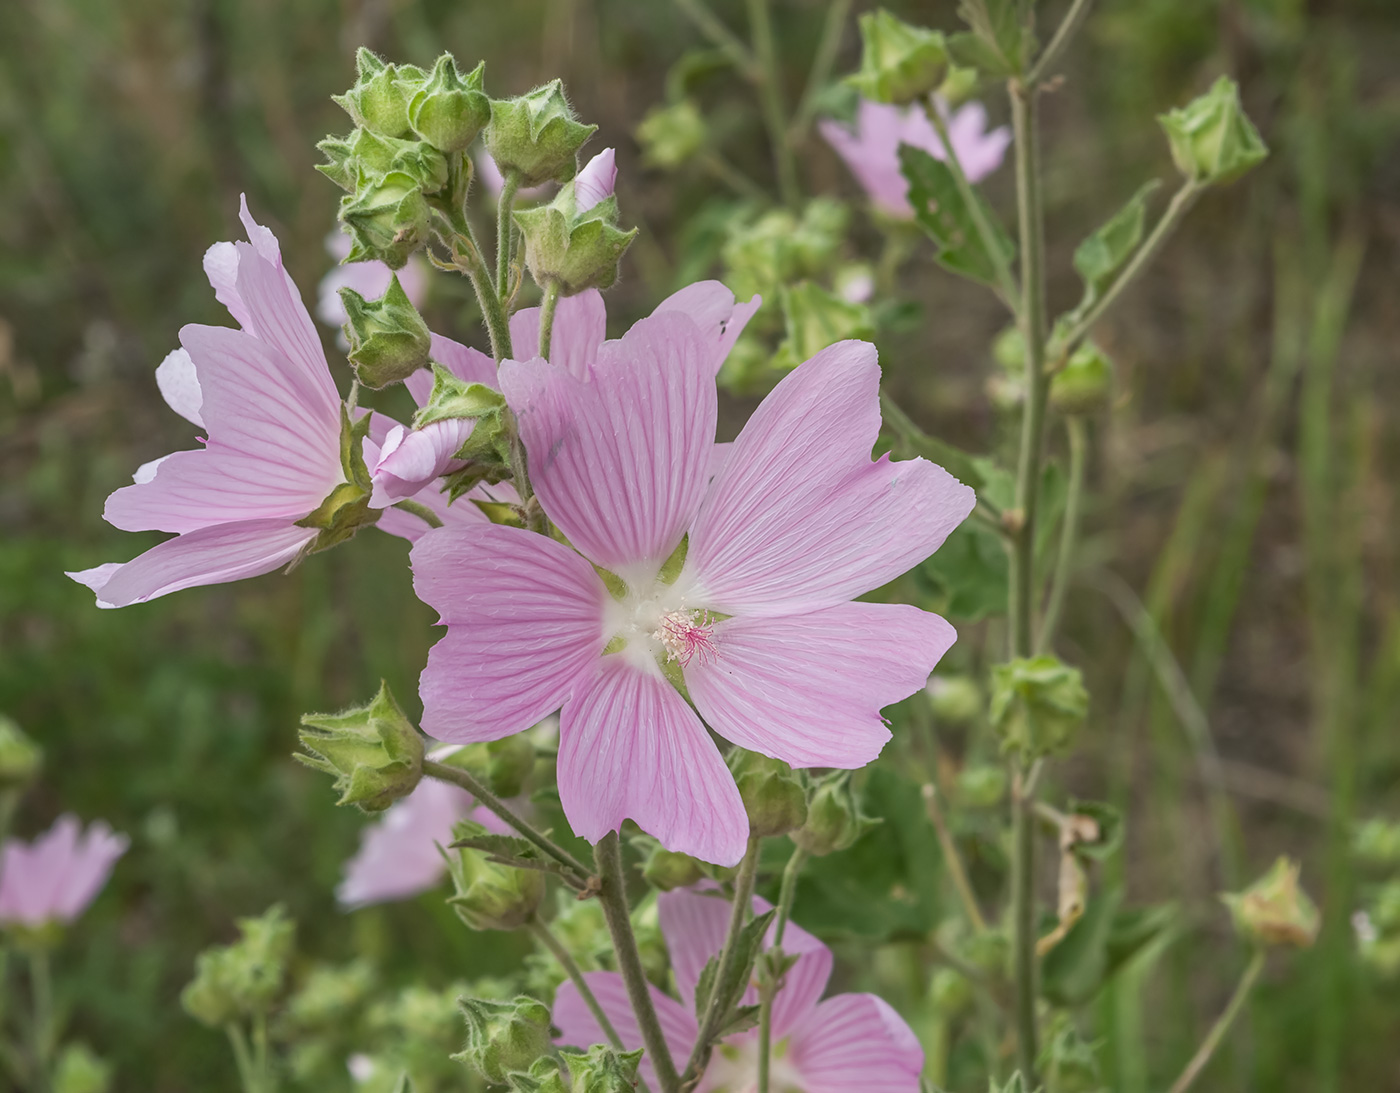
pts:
[238, 981]
[1037, 704]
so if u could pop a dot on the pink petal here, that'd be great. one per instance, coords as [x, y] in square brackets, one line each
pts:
[580, 325]
[221, 267]
[630, 748]
[212, 555]
[524, 626]
[597, 181]
[719, 318]
[856, 1041]
[56, 876]
[808, 689]
[799, 517]
[579, 1028]
[417, 458]
[88, 870]
[179, 385]
[872, 153]
[619, 463]
[399, 853]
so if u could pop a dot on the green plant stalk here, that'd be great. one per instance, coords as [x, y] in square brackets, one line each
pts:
[613, 896]
[739, 913]
[951, 858]
[729, 43]
[1064, 34]
[551, 301]
[786, 894]
[1023, 937]
[505, 203]
[41, 995]
[459, 777]
[493, 312]
[770, 93]
[823, 59]
[1069, 532]
[266, 1082]
[242, 1057]
[542, 931]
[1222, 1024]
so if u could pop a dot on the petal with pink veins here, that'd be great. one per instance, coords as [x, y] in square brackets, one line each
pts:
[579, 1028]
[856, 1041]
[413, 459]
[719, 318]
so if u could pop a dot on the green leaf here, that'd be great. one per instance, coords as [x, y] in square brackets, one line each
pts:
[1100, 944]
[941, 211]
[748, 943]
[1005, 29]
[1100, 256]
[970, 573]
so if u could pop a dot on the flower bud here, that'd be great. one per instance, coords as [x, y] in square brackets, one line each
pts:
[1083, 385]
[602, 1069]
[20, 757]
[242, 979]
[366, 156]
[504, 1037]
[834, 819]
[899, 63]
[379, 100]
[78, 1070]
[502, 764]
[1274, 910]
[1212, 140]
[981, 786]
[489, 895]
[449, 110]
[1374, 843]
[671, 135]
[773, 795]
[955, 699]
[330, 997]
[1037, 703]
[989, 950]
[389, 340]
[596, 182]
[666, 870]
[387, 219]
[949, 992]
[536, 135]
[374, 751]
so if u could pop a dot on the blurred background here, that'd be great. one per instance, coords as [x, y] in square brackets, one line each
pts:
[1238, 580]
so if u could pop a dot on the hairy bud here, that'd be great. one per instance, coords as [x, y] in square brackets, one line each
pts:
[374, 751]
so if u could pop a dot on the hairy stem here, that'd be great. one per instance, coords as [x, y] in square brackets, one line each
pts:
[1222, 1024]
[787, 893]
[770, 93]
[551, 301]
[1069, 532]
[953, 859]
[613, 897]
[575, 974]
[420, 510]
[504, 204]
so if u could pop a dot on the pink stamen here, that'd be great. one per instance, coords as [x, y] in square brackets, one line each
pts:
[687, 635]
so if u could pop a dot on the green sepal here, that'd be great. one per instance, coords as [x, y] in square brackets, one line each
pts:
[615, 585]
[536, 135]
[453, 397]
[369, 157]
[574, 252]
[504, 1037]
[1275, 910]
[374, 751]
[834, 818]
[774, 795]
[379, 100]
[899, 63]
[602, 1069]
[387, 218]
[389, 340]
[1085, 383]
[502, 764]
[449, 110]
[498, 512]
[672, 566]
[346, 508]
[665, 870]
[940, 210]
[1037, 703]
[490, 894]
[1212, 139]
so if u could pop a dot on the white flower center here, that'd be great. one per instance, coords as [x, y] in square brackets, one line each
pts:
[661, 625]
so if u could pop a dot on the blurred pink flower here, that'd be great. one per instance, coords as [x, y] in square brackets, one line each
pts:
[55, 877]
[872, 151]
[265, 396]
[369, 279]
[795, 523]
[848, 1042]
[489, 175]
[596, 181]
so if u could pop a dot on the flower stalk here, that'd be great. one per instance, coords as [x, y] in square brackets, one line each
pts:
[1222, 1023]
[504, 205]
[770, 984]
[1069, 532]
[541, 930]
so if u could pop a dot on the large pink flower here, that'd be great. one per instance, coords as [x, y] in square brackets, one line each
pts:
[846, 1043]
[795, 523]
[872, 151]
[55, 877]
[265, 396]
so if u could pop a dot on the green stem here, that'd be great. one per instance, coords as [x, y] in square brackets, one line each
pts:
[492, 310]
[738, 915]
[1069, 26]
[420, 510]
[729, 43]
[260, 1056]
[1222, 1024]
[504, 204]
[551, 301]
[41, 995]
[575, 974]
[613, 896]
[823, 60]
[787, 893]
[242, 1057]
[1023, 923]
[770, 91]
[1069, 532]
[953, 859]
[459, 777]
[732, 177]
[770, 986]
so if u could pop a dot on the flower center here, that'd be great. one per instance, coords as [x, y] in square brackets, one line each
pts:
[686, 635]
[659, 626]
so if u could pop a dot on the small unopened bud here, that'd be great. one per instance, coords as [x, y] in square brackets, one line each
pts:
[899, 63]
[1084, 384]
[949, 992]
[596, 182]
[504, 1037]
[79, 1070]
[365, 157]
[773, 795]
[374, 751]
[958, 86]
[1274, 910]
[502, 764]
[389, 340]
[242, 979]
[955, 699]
[664, 869]
[1377, 842]
[981, 786]
[1037, 703]
[387, 219]
[602, 1069]
[834, 820]
[20, 757]
[1212, 140]
[379, 100]
[489, 895]
[449, 109]
[536, 135]
[671, 135]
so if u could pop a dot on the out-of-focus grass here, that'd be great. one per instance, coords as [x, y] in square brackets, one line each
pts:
[1244, 482]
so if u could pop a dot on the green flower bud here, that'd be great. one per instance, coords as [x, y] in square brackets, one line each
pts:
[365, 155]
[489, 895]
[989, 950]
[1212, 140]
[387, 219]
[816, 319]
[773, 794]
[1375, 842]
[502, 764]
[955, 699]
[242, 979]
[1084, 384]
[389, 340]
[981, 786]
[504, 1037]
[449, 110]
[330, 997]
[959, 85]
[664, 869]
[546, 1075]
[949, 992]
[379, 100]
[670, 135]
[1274, 910]
[602, 1069]
[80, 1071]
[899, 63]
[536, 135]
[20, 757]
[834, 820]
[488, 446]
[1037, 703]
[575, 251]
[374, 751]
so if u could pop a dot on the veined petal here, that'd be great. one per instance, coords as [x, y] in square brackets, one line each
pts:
[414, 459]
[524, 627]
[620, 462]
[711, 305]
[799, 518]
[630, 748]
[808, 689]
[212, 555]
[856, 1041]
[579, 1028]
[179, 385]
[580, 325]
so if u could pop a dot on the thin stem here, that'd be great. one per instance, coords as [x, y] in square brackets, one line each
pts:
[613, 896]
[1023, 924]
[504, 204]
[459, 777]
[732, 177]
[492, 310]
[729, 43]
[823, 60]
[770, 986]
[770, 93]
[41, 995]
[1222, 1024]
[575, 974]
[1069, 26]
[551, 301]
[420, 510]
[1006, 281]
[787, 893]
[953, 859]
[738, 915]
[260, 1060]
[1069, 532]
[242, 1057]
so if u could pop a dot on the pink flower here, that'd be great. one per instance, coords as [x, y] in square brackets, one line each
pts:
[872, 151]
[265, 396]
[55, 877]
[369, 279]
[849, 1042]
[596, 181]
[795, 523]
[489, 175]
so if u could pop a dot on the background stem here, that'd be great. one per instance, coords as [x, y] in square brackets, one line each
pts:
[1069, 532]
[770, 90]
[1222, 1024]
[575, 974]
